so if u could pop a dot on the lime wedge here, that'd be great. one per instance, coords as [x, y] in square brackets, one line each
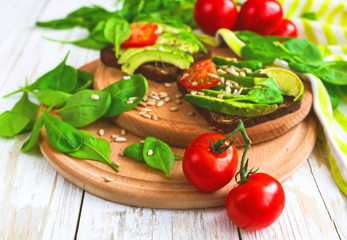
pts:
[289, 83]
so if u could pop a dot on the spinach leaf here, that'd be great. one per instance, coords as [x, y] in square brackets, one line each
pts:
[247, 36]
[269, 83]
[62, 136]
[62, 78]
[334, 72]
[135, 152]
[333, 94]
[191, 37]
[85, 17]
[116, 31]
[264, 96]
[121, 91]
[303, 51]
[27, 108]
[84, 80]
[93, 148]
[52, 97]
[12, 123]
[162, 157]
[33, 140]
[82, 109]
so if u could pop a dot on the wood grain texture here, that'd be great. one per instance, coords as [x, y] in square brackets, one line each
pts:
[178, 128]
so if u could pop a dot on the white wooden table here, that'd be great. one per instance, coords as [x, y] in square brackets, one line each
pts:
[37, 203]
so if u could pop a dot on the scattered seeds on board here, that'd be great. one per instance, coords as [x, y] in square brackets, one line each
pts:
[191, 114]
[145, 99]
[155, 97]
[167, 99]
[154, 117]
[114, 136]
[220, 96]
[120, 139]
[193, 92]
[143, 104]
[121, 153]
[130, 102]
[106, 178]
[151, 102]
[174, 109]
[179, 95]
[123, 132]
[163, 94]
[166, 84]
[242, 74]
[132, 98]
[101, 132]
[94, 97]
[115, 163]
[146, 115]
[150, 152]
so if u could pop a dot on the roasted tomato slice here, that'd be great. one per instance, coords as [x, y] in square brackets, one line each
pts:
[142, 35]
[200, 75]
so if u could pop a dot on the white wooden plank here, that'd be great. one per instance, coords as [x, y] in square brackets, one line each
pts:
[334, 200]
[305, 215]
[101, 219]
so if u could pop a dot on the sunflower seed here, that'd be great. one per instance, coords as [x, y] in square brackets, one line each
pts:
[154, 117]
[163, 94]
[160, 103]
[150, 152]
[178, 101]
[106, 178]
[167, 99]
[191, 114]
[123, 132]
[94, 97]
[179, 95]
[101, 132]
[120, 139]
[166, 84]
[174, 109]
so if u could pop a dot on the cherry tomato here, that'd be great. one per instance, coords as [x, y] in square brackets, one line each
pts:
[205, 169]
[211, 15]
[142, 35]
[286, 29]
[200, 75]
[256, 204]
[260, 16]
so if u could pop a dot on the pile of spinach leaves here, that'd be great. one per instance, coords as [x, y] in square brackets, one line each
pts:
[66, 89]
[301, 56]
[113, 27]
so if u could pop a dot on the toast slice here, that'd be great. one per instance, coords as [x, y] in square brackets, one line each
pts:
[227, 123]
[156, 71]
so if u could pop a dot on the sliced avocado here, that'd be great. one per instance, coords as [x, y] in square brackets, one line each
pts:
[223, 86]
[243, 81]
[175, 40]
[171, 29]
[230, 106]
[251, 64]
[161, 47]
[140, 58]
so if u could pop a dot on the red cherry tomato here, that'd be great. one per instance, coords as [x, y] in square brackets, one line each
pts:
[142, 35]
[200, 75]
[205, 169]
[286, 29]
[260, 16]
[211, 15]
[256, 204]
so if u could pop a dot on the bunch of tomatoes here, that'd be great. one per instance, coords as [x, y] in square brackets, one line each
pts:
[210, 162]
[264, 17]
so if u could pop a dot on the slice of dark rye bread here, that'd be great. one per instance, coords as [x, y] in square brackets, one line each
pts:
[156, 71]
[227, 123]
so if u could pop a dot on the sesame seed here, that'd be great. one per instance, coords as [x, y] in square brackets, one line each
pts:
[174, 109]
[166, 84]
[167, 99]
[94, 97]
[154, 117]
[123, 132]
[150, 152]
[160, 103]
[101, 132]
[120, 139]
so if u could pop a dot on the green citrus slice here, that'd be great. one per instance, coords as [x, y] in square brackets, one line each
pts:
[289, 83]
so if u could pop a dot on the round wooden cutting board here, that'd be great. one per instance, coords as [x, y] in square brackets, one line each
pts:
[139, 185]
[177, 128]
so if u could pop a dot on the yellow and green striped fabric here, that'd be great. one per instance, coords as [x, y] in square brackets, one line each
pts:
[329, 32]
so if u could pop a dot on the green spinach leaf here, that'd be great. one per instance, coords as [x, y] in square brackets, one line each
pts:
[334, 72]
[27, 108]
[93, 148]
[85, 107]
[62, 78]
[333, 94]
[12, 123]
[63, 137]
[135, 152]
[84, 80]
[303, 51]
[159, 155]
[133, 86]
[116, 31]
[52, 97]
[33, 140]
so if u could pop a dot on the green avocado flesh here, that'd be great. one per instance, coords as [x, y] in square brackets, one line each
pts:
[230, 106]
[140, 58]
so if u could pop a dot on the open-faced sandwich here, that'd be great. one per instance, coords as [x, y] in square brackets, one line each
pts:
[225, 90]
[157, 51]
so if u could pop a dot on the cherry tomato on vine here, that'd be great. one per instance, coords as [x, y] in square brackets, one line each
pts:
[210, 15]
[200, 75]
[256, 204]
[260, 16]
[142, 35]
[286, 29]
[206, 168]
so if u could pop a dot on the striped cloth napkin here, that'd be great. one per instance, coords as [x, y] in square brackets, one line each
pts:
[323, 22]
